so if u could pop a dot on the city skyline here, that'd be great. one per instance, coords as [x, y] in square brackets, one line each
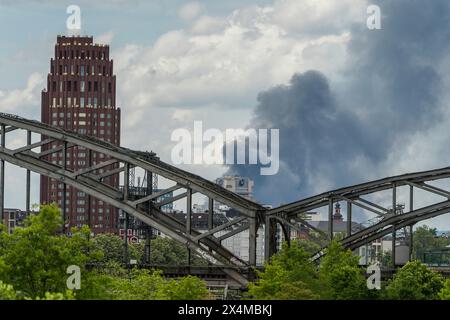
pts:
[180, 60]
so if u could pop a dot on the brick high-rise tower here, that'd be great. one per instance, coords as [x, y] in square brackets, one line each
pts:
[81, 97]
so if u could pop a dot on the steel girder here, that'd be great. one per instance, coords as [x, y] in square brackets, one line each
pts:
[356, 191]
[144, 160]
[89, 180]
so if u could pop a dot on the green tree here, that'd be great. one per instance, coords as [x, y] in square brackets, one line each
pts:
[7, 292]
[167, 251]
[163, 251]
[340, 275]
[385, 258]
[142, 284]
[112, 247]
[444, 294]
[425, 239]
[414, 281]
[186, 288]
[34, 258]
[289, 275]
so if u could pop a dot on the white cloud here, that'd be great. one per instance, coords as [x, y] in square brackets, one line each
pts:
[190, 10]
[21, 101]
[105, 38]
[216, 67]
[208, 25]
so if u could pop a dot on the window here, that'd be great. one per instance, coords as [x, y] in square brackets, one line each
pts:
[82, 86]
[95, 102]
[80, 209]
[54, 86]
[95, 86]
[109, 87]
[82, 102]
[93, 70]
[81, 70]
[69, 85]
[89, 86]
[60, 86]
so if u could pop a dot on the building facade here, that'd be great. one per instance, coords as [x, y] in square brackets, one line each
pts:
[242, 186]
[13, 218]
[81, 97]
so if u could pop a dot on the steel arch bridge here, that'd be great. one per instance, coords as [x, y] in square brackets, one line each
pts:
[390, 219]
[35, 157]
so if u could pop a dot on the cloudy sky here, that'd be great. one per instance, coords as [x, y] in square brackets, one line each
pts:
[352, 104]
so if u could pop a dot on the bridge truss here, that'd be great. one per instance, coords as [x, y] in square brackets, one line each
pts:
[34, 157]
[390, 219]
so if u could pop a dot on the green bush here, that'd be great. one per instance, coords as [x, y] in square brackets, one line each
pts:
[414, 281]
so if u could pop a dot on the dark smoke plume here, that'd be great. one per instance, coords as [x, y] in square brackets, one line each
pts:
[332, 136]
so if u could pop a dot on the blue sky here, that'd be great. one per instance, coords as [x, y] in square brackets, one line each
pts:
[240, 63]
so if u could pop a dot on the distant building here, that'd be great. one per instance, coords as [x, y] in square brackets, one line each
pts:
[242, 186]
[237, 244]
[12, 218]
[81, 97]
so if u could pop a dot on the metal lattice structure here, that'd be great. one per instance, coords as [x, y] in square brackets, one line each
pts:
[146, 209]
[390, 220]
[120, 161]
